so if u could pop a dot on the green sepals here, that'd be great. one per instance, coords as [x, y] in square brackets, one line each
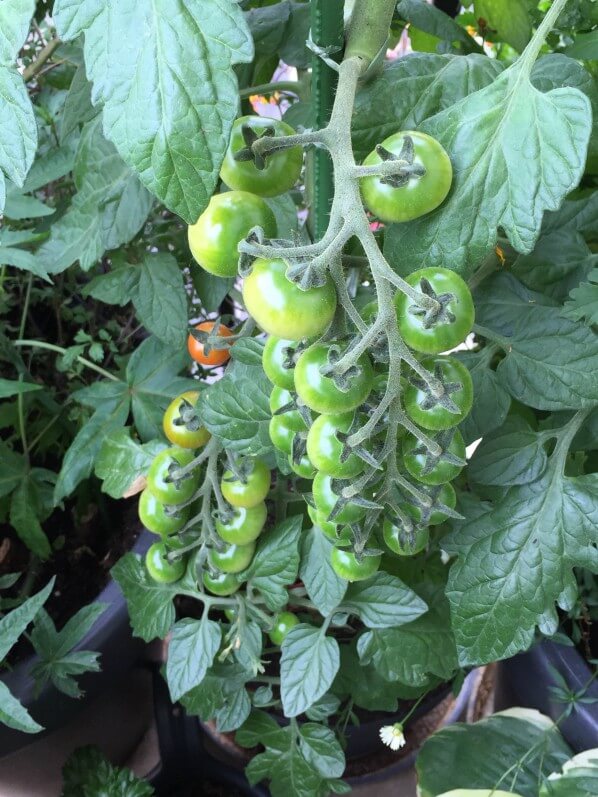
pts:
[405, 172]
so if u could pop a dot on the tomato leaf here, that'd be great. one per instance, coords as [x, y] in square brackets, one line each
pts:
[516, 560]
[324, 587]
[496, 184]
[178, 79]
[309, 663]
[322, 750]
[511, 455]
[276, 562]
[88, 773]
[13, 714]
[122, 461]
[383, 601]
[191, 651]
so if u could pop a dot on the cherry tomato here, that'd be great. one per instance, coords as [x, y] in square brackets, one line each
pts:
[437, 413]
[430, 469]
[153, 515]
[215, 356]
[346, 565]
[400, 542]
[227, 220]
[160, 476]
[232, 558]
[427, 515]
[282, 308]
[281, 170]
[280, 398]
[303, 468]
[181, 423]
[282, 625]
[325, 500]
[281, 434]
[435, 331]
[319, 520]
[221, 584]
[158, 566]
[277, 362]
[325, 449]
[418, 194]
[321, 393]
[250, 492]
[244, 526]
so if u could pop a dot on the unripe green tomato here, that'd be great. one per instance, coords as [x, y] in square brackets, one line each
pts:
[221, 584]
[279, 398]
[427, 411]
[227, 220]
[158, 566]
[232, 558]
[345, 565]
[397, 539]
[281, 434]
[230, 614]
[184, 435]
[245, 526]
[282, 625]
[282, 169]
[328, 529]
[325, 449]
[320, 393]
[282, 308]
[325, 500]
[274, 360]
[445, 494]
[303, 468]
[154, 517]
[159, 481]
[420, 194]
[250, 492]
[426, 468]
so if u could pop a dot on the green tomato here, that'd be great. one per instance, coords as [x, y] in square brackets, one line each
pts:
[325, 449]
[437, 413]
[281, 434]
[430, 469]
[221, 584]
[282, 308]
[317, 518]
[277, 362]
[429, 331]
[398, 540]
[282, 169]
[303, 468]
[279, 398]
[181, 423]
[227, 220]
[320, 393]
[153, 515]
[425, 516]
[346, 565]
[282, 625]
[250, 492]
[158, 566]
[245, 525]
[159, 476]
[232, 558]
[325, 500]
[419, 194]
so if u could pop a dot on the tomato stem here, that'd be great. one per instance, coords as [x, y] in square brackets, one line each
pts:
[368, 29]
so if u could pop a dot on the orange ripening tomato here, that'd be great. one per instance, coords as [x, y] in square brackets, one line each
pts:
[215, 356]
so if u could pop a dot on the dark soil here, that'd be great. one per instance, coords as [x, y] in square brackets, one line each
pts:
[93, 543]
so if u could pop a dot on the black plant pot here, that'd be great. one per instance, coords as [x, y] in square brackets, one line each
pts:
[525, 680]
[111, 636]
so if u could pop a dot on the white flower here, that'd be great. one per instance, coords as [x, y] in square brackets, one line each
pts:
[393, 736]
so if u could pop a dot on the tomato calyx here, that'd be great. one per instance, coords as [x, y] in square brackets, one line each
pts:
[211, 339]
[248, 153]
[435, 312]
[405, 172]
[437, 393]
[444, 455]
[187, 417]
[344, 379]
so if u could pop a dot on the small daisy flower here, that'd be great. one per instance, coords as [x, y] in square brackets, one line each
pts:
[393, 736]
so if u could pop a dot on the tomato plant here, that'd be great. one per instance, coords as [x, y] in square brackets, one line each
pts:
[388, 418]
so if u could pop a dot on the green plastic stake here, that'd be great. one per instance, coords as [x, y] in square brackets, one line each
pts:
[326, 31]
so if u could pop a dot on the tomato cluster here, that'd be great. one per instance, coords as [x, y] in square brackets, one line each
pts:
[319, 404]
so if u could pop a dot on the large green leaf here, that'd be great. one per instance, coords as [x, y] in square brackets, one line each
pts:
[193, 645]
[426, 17]
[276, 562]
[511, 455]
[492, 401]
[516, 560]
[18, 130]
[309, 663]
[510, 19]
[515, 752]
[516, 153]
[324, 587]
[383, 601]
[169, 96]
[122, 461]
[412, 89]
